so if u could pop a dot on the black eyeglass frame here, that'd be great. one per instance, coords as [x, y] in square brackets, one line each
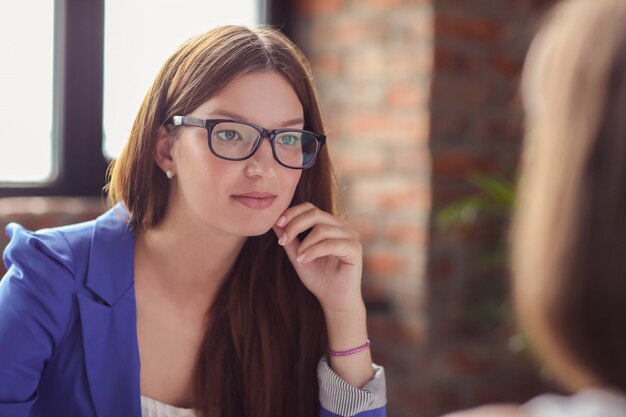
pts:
[209, 124]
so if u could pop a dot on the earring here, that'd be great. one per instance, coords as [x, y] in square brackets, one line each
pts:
[169, 174]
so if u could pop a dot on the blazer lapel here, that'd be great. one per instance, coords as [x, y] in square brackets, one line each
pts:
[109, 319]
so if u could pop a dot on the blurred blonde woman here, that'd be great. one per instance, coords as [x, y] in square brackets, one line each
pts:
[569, 234]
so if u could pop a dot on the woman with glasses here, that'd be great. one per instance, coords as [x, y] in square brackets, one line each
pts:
[569, 236]
[220, 283]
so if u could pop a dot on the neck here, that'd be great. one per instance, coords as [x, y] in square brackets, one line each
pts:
[185, 260]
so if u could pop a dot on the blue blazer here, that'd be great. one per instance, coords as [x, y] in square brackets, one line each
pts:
[68, 336]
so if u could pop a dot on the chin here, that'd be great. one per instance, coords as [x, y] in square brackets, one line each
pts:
[257, 233]
[253, 230]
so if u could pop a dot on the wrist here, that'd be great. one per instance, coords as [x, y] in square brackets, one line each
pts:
[348, 352]
[346, 328]
[350, 309]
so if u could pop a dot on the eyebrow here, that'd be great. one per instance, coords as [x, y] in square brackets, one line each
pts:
[231, 115]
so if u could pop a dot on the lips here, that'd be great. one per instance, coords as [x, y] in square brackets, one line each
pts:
[255, 200]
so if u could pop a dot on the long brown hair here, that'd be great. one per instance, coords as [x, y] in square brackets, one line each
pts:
[266, 331]
[569, 235]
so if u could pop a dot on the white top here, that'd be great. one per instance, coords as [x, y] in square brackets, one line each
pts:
[589, 402]
[153, 408]
[335, 394]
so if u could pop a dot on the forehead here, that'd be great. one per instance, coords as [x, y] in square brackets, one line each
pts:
[265, 98]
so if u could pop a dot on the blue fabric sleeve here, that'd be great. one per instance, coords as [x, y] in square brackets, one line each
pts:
[377, 412]
[35, 305]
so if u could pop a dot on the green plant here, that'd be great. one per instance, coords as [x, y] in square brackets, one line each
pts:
[496, 196]
[485, 301]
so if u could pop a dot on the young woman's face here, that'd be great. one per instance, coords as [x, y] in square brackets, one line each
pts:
[246, 197]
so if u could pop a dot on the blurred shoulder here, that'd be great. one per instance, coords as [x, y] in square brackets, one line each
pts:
[502, 410]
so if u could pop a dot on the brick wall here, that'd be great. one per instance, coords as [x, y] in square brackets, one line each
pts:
[36, 213]
[417, 93]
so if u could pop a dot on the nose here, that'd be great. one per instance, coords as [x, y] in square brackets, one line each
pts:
[262, 163]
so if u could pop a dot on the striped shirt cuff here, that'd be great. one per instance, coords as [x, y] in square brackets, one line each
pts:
[343, 399]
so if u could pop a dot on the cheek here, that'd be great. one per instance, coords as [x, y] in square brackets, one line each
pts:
[202, 173]
[290, 182]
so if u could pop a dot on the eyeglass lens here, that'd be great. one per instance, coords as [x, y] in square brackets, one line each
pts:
[236, 140]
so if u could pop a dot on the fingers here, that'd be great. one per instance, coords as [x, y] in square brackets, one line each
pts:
[302, 217]
[323, 232]
[292, 212]
[328, 235]
[347, 250]
[291, 248]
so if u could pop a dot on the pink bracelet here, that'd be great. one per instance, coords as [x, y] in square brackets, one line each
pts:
[351, 351]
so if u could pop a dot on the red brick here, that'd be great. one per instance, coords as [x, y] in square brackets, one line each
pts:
[445, 196]
[407, 95]
[411, 331]
[345, 32]
[456, 60]
[506, 66]
[459, 163]
[366, 62]
[400, 64]
[415, 234]
[463, 93]
[316, 8]
[414, 25]
[373, 292]
[409, 295]
[413, 399]
[502, 129]
[332, 126]
[473, 28]
[372, 62]
[388, 127]
[415, 160]
[389, 194]
[383, 263]
[414, 198]
[327, 65]
[364, 225]
[363, 95]
[358, 31]
[485, 230]
[361, 162]
[383, 4]
[441, 269]
[467, 362]
[446, 123]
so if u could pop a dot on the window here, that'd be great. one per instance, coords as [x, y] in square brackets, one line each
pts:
[26, 33]
[139, 36]
[76, 72]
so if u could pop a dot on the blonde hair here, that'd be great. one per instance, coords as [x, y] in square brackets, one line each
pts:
[569, 231]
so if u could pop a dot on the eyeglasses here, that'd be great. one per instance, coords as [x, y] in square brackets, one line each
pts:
[235, 140]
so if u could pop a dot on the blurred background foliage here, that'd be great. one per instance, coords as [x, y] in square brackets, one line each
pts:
[486, 305]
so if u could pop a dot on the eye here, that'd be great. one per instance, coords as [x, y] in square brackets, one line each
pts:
[288, 139]
[227, 135]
